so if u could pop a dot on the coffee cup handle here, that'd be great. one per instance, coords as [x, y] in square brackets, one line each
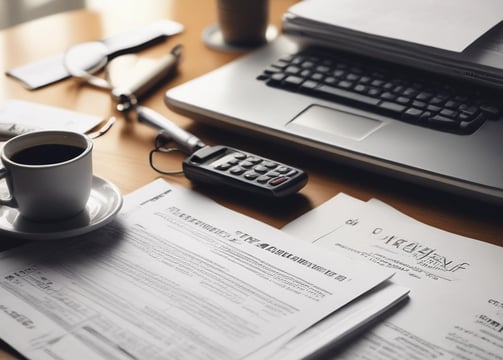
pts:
[11, 202]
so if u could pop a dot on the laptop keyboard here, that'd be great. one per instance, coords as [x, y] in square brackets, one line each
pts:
[411, 96]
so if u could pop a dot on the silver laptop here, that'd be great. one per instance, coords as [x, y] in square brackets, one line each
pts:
[468, 162]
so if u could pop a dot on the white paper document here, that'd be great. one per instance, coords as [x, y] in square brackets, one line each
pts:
[334, 331]
[420, 22]
[456, 300]
[175, 276]
[19, 116]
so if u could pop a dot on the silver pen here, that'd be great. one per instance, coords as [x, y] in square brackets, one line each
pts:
[188, 143]
[126, 96]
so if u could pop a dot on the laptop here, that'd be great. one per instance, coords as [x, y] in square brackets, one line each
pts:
[245, 95]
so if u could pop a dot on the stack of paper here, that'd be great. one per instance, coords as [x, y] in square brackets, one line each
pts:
[451, 37]
[179, 277]
[456, 301]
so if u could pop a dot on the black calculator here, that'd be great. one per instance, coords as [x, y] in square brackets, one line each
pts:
[223, 165]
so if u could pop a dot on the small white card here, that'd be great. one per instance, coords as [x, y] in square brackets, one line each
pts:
[19, 116]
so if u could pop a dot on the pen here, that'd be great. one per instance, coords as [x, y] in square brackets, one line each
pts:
[187, 142]
[126, 95]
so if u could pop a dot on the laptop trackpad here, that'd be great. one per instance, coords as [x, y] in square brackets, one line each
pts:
[336, 122]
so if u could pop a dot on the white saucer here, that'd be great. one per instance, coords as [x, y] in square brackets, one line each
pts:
[104, 203]
[213, 38]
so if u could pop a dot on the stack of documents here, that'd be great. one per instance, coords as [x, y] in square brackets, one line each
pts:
[456, 298]
[177, 276]
[456, 38]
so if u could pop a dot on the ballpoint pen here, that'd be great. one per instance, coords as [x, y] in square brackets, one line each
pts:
[127, 94]
[169, 131]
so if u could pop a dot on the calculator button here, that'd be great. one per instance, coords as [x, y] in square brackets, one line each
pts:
[254, 160]
[263, 179]
[261, 169]
[278, 181]
[251, 175]
[224, 167]
[269, 164]
[283, 169]
[246, 164]
[233, 161]
[237, 170]
[240, 156]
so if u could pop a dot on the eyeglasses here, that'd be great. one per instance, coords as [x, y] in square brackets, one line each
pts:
[137, 75]
[83, 60]
[86, 59]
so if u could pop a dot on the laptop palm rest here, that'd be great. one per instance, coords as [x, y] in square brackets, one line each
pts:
[335, 122]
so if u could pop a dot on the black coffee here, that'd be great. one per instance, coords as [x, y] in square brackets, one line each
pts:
[46, 154]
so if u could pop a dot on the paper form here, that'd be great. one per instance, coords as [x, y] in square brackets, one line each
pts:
[175, 276]
[456, 301]
[449, 24]
[20, 116]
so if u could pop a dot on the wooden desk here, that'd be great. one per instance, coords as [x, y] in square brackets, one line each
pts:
[121, 155]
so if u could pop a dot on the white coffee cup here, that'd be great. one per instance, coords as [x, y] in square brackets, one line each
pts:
[49, 174]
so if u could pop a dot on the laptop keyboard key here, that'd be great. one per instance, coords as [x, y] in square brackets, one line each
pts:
[293, 81]
[469, 125]
[444, 121]
[348, 96]
[412, 114]
[389, 106]
[491, 110]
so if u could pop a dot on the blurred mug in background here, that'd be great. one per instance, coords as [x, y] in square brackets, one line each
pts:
[243, 22]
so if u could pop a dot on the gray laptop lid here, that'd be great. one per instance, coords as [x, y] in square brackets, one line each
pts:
[232, 95]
